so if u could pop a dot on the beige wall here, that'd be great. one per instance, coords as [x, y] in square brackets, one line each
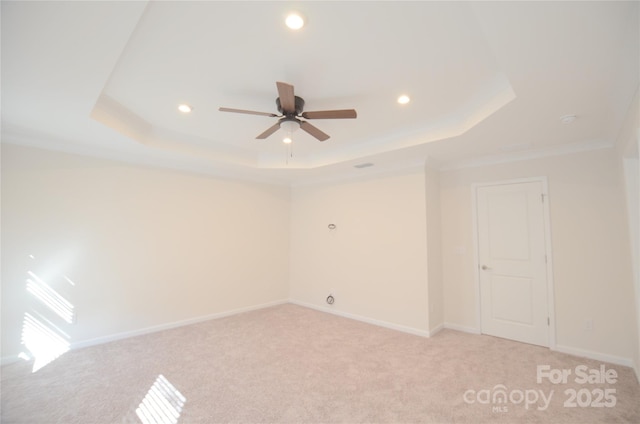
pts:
[145, 247]
[632, 184]
[628, 148]
[591, 260]
[374, 262]
[434, 249]
[148, 247]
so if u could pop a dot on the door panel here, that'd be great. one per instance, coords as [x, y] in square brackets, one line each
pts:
[511, 252]
[511, 299]
[508, 226]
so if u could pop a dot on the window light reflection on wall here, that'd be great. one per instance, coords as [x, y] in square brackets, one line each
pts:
[47, 313]
[50, 298]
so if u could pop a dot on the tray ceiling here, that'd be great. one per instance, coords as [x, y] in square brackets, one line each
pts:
[105, 78]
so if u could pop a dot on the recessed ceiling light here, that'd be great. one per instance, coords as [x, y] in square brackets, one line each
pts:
[294, 21]
[404, 99]
[567, 119]
[185, 108]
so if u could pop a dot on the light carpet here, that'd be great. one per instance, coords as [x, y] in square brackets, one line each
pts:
[289, 364]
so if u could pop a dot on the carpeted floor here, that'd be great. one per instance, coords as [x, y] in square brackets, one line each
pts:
[289, 364]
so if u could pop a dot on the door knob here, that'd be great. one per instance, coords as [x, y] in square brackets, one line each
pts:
[485, 268]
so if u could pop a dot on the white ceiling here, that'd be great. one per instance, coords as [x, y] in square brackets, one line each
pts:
[487, 80]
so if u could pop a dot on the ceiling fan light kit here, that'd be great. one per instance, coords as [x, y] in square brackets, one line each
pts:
[290, 125]
[291, 108]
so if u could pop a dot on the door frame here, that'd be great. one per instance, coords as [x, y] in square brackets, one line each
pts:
[547, 237]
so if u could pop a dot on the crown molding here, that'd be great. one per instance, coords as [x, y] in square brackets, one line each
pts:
[559, 150]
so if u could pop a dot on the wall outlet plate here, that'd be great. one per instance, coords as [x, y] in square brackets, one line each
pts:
[588, 325]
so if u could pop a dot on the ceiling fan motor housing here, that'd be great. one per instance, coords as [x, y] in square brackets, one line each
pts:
[299, 106]
[290, 118]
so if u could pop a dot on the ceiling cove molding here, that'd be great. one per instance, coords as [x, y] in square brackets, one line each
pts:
[496, 94]
[345, 177]
[112, 114]
[143, 156]
[564, 149]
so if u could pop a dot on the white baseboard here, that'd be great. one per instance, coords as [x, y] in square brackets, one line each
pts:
[470, 330]
[153, 329]
[603, 357]
[405, 329]
[436, 330]
[6, 360]
[170, 325]
[379, 323]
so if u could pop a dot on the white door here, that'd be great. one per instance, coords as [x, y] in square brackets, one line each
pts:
[512, 262]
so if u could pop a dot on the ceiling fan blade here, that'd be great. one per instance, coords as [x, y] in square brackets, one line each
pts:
[287, 98]
[313, 131]
[269, 131]
[248, 112]
[331, 114]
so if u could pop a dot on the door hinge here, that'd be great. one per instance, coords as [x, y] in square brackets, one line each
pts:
[548, 321]
[542, 197]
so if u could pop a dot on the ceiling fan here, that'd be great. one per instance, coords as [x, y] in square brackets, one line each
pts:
[291, 108]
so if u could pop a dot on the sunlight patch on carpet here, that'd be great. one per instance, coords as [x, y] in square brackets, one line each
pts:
[43, 340]
[162, 404]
